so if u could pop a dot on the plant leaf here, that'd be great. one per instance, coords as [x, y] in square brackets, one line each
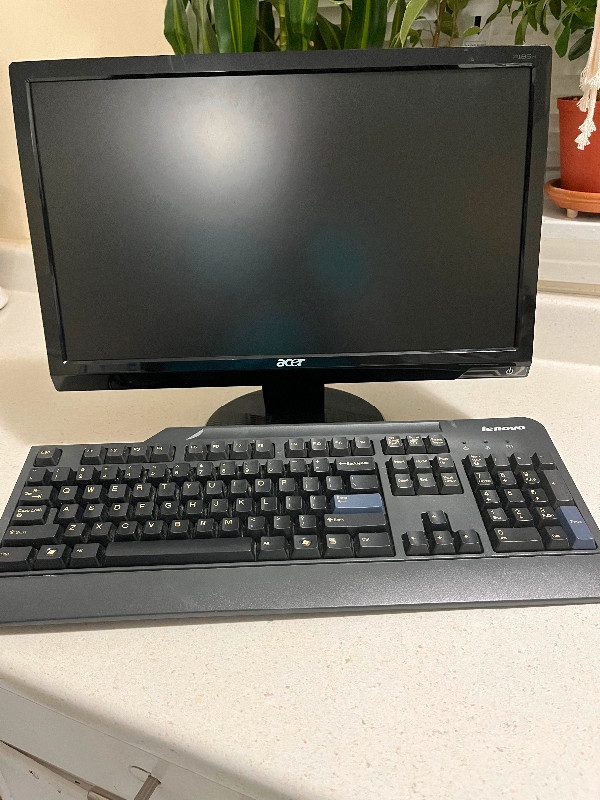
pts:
[331, 34]
[265, 28]
[176, 28]
[301, 18]
[399, 12]
[345, 20]
[520, 32]
[581, 46]
[502, 4]
[413, 9]
[554, 6]
[562, 42]
[472, 31]
[235, 22]
[208, 37]
[367, 24]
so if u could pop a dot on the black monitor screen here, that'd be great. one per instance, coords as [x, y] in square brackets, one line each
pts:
[285, 214]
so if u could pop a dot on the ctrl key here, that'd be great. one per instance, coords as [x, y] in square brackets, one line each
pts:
[16, 559]
[374, 545]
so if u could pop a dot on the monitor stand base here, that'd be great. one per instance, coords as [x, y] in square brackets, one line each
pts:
[324, 405]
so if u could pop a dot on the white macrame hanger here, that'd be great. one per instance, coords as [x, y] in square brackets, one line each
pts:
[590, 84]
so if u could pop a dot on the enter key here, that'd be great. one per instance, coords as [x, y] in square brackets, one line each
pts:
[357, 504]
[579, 535]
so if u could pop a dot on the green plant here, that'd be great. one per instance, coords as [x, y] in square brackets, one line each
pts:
[226, 26]
[574, 18]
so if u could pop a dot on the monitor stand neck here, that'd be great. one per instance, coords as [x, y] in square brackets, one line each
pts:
[294, 398]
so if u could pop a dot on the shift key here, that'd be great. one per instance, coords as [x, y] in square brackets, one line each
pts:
[354, 523]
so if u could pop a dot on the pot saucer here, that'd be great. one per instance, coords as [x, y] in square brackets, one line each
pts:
[573, 202]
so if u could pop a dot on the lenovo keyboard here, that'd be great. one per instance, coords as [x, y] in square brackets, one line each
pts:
[296, 518]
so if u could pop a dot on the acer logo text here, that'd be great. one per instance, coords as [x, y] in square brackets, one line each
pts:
[290, 362]
[504, 428]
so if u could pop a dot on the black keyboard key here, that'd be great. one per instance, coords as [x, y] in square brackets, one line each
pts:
[334, 484]
[556, 489]
[170, 510]
[116, 455]
[195, 452]
[93, 512]
[16, 559]
[75, 533]
[414, 444]
[167, 491]
[521, 518]
[206, 528]
[38, 495]
[85, 476]
[133, 474]
[443, 464]
[415, 543]
[239, 488]
[102, 532]
[117, 493]
[297, 468]
[498, 462]
[293, 506]
[251, 469]
[306, 546]
[398, 466]
[321, 467]
[227, 471]
[506, 480]
[269, 506]
[52, 556]
[144, 511]
[488, 498]
[357, 466]
[436, 443]
[143, 492]
[263, 487]
[307, 523]
[38, 476]
[449, 483]
[340, 446]
[184, 551]
[127, 532]
[218, 508]
[282, 526]
[402, 485]
[286, 486]
[30, 515]
[467, 541]
[474, 463]
[263, 448]
[214, 489]
[364, 483]
[482, 480]
[392, 446]
[275, 468]
[179, 529]
[47, 457]
[519, 462]
[190, 490]
[317, 504]
[494, 518]
[362, 446]
[420, 464]
[515, 540]
[354, 523]
[68, 494]
[311, 486]
[63, 475]
[294, 448]
[162, 453]
[86, 556]
[528, 479]
[555, 538]
[318, 447]
[230, 526]
[108, 474]
[435, 521]
[272, 548]
[543, 461]
[31, 535]
[374, 545]
[441, 543]
[158, 474]
[154, 529]
[240, 449]
[93, 455]
[544, 516]
[511, 498]
[180, 473]
[425, 483]
[139, 454]
[256, 527]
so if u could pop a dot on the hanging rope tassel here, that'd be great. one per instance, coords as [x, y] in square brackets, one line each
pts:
[590, 85]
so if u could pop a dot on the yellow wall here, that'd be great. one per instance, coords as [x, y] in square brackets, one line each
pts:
[31, 30]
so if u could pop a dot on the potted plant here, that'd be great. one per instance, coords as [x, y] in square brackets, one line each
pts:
[579, 117]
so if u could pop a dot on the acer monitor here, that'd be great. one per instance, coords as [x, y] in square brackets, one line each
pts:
[285, 219]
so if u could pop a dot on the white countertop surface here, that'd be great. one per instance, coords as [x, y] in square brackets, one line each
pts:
[475, 704]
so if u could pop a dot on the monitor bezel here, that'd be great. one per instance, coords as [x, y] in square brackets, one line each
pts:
[329, 368]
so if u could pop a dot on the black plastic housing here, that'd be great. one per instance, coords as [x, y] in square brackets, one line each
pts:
[509, 362]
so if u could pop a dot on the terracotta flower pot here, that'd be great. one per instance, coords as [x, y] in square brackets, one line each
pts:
[579, 169]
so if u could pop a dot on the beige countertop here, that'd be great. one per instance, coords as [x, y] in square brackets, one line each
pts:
[475, 704]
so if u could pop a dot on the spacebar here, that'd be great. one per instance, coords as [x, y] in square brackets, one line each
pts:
[178, 551]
